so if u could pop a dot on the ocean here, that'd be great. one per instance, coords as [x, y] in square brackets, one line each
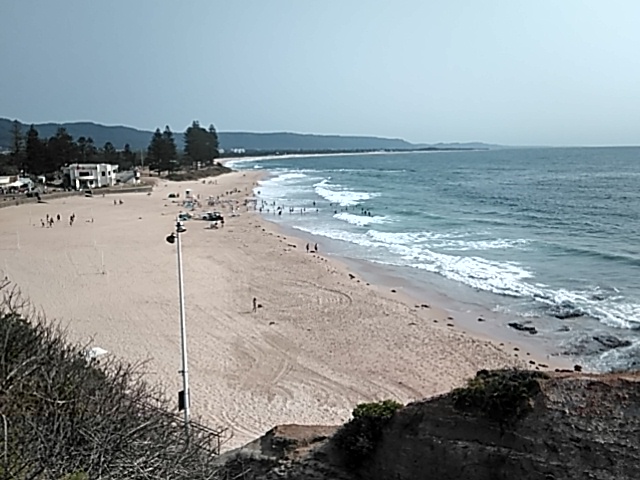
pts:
[547, 237]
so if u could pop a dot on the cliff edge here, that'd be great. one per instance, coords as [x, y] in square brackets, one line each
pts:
[503, 425]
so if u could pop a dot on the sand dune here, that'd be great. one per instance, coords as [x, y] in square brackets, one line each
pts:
[321, 342]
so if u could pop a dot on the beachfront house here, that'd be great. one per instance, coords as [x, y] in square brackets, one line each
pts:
[89, 175]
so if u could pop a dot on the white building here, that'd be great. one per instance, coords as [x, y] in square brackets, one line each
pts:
[90, 175]
[16, 183]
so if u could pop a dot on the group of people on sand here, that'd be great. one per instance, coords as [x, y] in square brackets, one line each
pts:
[315, 248]
[49, 221]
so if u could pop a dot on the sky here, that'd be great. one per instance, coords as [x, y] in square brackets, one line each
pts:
[514, 72]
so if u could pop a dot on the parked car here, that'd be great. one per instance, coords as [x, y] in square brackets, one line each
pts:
[212, 217]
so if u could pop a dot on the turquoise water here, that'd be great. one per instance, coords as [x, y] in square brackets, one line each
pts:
[548, 236]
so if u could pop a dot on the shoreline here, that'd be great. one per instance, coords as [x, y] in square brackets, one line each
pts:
[320, 344]
[464, 316]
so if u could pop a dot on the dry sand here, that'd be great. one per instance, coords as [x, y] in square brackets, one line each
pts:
[321, 343]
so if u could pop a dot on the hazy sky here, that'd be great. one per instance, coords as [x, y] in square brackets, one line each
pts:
[545, 72]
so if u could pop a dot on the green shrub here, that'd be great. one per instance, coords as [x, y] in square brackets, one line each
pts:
[503, 396]
[358, 438]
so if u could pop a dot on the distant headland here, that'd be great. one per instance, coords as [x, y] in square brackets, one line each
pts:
[249, 142]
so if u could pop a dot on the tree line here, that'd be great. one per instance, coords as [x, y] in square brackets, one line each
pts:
[201, 148]
[32, 155]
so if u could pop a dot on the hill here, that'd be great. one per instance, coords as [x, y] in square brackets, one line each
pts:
[284, 141]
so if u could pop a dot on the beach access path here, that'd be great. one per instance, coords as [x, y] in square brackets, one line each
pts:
[319, 343]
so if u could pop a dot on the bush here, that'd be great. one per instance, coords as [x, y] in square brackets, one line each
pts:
[71, 418]
[503, 396]
[358, 438]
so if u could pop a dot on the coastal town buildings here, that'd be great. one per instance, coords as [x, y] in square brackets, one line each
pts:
[90, 175]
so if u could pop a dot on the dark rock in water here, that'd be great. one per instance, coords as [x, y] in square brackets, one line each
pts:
[595, 344]
[610, 342]
[566, 310]
[577, 368]
[523, 328]
[564, 328]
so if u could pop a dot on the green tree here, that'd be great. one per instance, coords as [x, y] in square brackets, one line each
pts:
[170, 151]
[110, 154]
[35, 153]
[128, 157]
[213, 145]
[61, 150]
[154, 151]
[162, 153]
[17, 146]
[86, 149]
[195, 148]
[200, 145]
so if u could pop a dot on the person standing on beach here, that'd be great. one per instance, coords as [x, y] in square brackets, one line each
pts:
[255, 305]
[307, 248]
[315, 247]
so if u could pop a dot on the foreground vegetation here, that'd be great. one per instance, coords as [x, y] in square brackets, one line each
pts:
[65, 416]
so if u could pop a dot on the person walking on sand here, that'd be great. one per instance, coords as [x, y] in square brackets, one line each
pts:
[255, 305]
[307, 248]
[315, 247]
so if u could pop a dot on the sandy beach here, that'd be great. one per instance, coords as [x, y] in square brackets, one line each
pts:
[320, 343]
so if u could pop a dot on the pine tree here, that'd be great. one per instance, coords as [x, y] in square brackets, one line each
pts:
[154, 152]
[109, 153]
[17, 146]
[162, 153]
[170, 151]
[128, 157]
[35, 150]
[214, 145]
[61, 150]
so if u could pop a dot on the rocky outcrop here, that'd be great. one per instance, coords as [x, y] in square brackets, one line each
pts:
[574, 426]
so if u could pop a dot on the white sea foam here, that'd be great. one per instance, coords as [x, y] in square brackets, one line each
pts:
[445, 241]
[502, 278]
[346, 198]
[466, 245]
[288, 176]
[360, 220]
[404, 238]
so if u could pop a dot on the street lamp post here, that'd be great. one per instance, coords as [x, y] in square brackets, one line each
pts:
[184, 396]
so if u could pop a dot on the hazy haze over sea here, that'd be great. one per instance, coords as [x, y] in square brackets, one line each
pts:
[535, 234]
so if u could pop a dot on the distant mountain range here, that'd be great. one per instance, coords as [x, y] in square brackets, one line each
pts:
[285, 141]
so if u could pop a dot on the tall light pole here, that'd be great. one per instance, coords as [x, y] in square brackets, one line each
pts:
[183, 397]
